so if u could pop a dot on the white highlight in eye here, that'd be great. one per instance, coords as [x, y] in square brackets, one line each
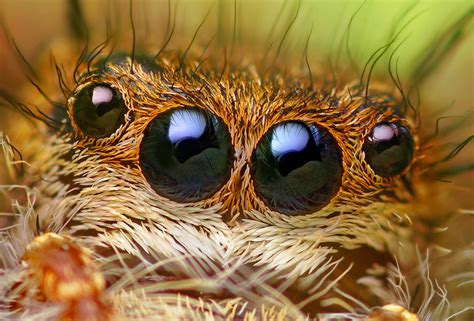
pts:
[101, 95]
[185, 124]
[384, 132]
[289, 137]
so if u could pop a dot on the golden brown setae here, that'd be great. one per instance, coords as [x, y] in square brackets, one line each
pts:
[195, 185]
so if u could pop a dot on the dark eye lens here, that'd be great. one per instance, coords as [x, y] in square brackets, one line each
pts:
[186, 154]
[389, 149]
[297, 168]
[98, 110]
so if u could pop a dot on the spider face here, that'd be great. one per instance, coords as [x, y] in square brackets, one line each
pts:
[236, 168]
[242, 144]
[222, 184]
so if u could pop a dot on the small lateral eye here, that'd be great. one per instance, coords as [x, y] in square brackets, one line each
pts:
[297, 168]
[98, 110]
[186, 154]
[389, 149]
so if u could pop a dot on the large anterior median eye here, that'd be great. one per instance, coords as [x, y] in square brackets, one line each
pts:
[297, 168]
[98, 110]
[186, 154]
[389, 149]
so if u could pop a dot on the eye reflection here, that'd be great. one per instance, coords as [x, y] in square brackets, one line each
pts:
[98, 110]
[186, 154]
[389, 149]
[297, 168]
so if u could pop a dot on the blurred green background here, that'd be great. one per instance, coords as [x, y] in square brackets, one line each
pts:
[34, 24]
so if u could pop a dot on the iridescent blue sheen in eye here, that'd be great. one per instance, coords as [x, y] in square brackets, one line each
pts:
[186, 154]
[297, 168]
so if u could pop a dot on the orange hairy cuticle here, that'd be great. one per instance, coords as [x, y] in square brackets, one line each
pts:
[391, 312]
[64, 273]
